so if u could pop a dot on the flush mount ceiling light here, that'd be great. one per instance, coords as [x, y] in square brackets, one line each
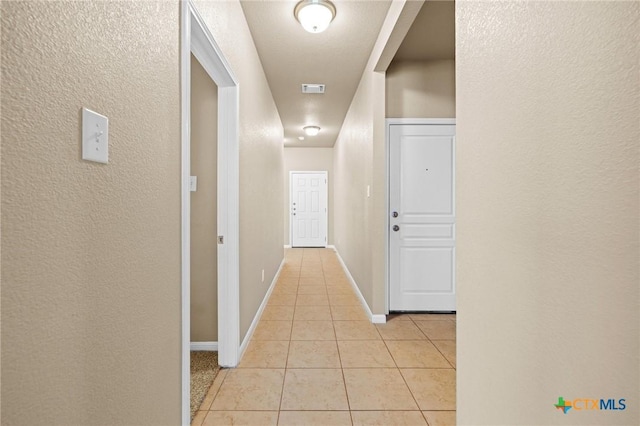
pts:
[311, 130]
[315, 15]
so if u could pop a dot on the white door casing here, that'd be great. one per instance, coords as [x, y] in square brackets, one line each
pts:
[422, 216]
[308, 209]
[196, 38]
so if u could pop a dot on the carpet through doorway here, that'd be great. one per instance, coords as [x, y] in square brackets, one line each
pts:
[204, 368]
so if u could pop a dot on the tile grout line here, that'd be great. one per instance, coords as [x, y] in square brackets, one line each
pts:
[217, 392]
[420, 329]
[411, 392]
[344, 379]
[444, 356]
[286, 362]
[434, 345]
[425, 418]
[289, 343]
[404, 380]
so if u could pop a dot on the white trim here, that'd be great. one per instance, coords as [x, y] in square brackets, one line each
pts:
[441, 121]
[388, 123]
[331, 246]
[204, 346]
[287, 246]
[326, 203]
[229, 227]
[258, 315]
[387, 203]
[376, 319]
[185, 82]
[196, 38]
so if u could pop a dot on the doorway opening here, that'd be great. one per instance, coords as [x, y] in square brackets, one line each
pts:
[196, 40]
[203, 215]
[204, 247]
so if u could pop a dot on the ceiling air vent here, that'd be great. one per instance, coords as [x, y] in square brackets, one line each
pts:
[313, 88]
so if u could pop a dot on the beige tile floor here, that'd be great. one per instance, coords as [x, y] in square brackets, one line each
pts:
[316, 359]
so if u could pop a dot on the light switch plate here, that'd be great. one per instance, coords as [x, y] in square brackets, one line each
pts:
[95, 136]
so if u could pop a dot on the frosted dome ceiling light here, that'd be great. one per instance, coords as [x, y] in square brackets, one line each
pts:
[315, 15]
[311, 130]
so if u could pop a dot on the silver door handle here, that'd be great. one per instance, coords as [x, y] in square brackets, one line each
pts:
[396, 228]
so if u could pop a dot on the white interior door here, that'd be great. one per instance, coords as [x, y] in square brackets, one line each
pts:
[422, 217]
[308, 209]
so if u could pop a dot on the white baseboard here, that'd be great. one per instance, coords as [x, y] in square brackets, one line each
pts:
[376, 319]
[330, 246]
[204, 346]
[258, 315]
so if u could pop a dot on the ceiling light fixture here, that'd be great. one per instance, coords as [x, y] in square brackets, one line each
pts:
[311, 130]
[315, 15]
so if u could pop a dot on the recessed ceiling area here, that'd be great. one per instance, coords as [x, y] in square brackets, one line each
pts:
[292, 57]
[432, 35]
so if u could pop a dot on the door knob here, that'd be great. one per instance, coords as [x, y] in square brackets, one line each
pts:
[394, 214]
[396, 228]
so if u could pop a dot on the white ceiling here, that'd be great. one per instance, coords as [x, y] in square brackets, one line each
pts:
[291, 56]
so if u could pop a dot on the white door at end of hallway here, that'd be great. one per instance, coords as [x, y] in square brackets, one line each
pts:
[308, 209]
[422, 250]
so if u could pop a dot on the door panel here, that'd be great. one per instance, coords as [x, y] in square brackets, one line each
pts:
[308, 209]
[422, 249]
[426, 169]
[427, 270]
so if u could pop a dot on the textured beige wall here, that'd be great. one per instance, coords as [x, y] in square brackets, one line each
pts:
[307, 159]
[352, 173]
[359, 161]
[204, 213]
[261, 157]
[90, 252]
[0, 221]
[421, 89]
[547, 195]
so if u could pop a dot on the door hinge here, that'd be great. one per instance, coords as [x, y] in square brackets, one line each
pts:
[220, 239]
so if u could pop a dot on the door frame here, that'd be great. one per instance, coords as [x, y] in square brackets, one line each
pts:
[195, 38]
[387, 235]
[326, 203]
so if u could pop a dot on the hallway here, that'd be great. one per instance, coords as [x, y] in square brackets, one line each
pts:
[316, 359]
